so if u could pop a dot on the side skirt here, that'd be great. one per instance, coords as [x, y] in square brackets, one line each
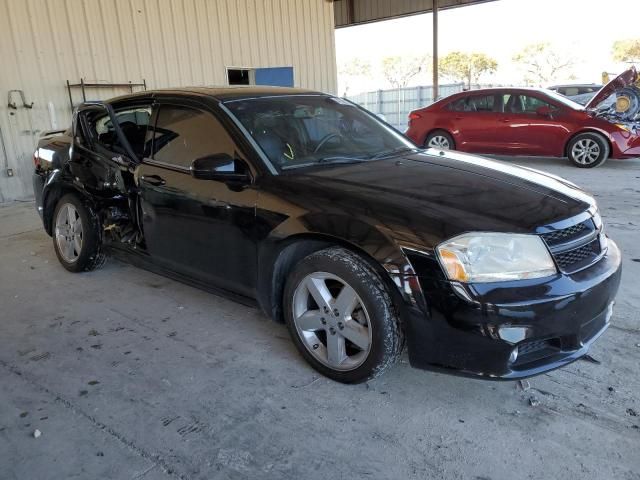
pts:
[143, 260]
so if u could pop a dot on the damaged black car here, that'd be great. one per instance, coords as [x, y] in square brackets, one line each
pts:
[332, 222]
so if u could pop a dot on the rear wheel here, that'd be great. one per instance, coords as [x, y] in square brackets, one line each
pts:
[588, 150]
[76, 235]
[340, 316]
[440, 139]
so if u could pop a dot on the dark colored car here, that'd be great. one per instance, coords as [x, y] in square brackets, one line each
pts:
[535, 122]
[331, 221]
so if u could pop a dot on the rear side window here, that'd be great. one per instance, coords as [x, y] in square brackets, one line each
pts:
[475, 103]
[133, 122]
[183, 134]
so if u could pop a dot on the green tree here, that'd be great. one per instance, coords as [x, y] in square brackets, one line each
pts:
[466, 67]
[399, 70]
[353, 69]
[627, 50]
[542, 63]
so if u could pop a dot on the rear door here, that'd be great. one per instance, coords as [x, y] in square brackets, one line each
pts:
[204, 229]
[475, 122]
[99, 156]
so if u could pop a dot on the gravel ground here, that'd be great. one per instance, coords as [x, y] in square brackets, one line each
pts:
[127, 374]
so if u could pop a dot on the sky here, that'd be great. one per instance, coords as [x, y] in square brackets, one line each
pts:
[583, 29]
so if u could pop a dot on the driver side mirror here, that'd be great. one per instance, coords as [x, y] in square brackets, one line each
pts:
[545, 111]
[221, 167]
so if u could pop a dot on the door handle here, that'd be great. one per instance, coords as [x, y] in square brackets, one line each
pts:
[505, 120]
[154, 180]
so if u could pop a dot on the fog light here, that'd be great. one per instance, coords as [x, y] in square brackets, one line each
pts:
[514, 355]
[512, 334]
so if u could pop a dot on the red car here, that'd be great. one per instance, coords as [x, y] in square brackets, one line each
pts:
[536, 122]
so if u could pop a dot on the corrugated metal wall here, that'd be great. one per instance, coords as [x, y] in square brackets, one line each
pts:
[372, 10]
[166, 42]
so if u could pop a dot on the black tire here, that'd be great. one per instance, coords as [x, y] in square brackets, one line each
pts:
[91, 255]
[580, 155]
[383, 325]
[442, 137]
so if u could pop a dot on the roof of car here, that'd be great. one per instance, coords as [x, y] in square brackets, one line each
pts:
[223, 94]
[567, 85]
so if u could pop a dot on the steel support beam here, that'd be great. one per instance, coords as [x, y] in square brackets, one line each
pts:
[435, 50]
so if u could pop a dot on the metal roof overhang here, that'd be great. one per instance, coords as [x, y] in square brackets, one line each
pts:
[357, 12]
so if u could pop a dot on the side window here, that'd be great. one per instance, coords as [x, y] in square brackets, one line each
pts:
[132, 121]
[475, 103]
[182, 135]
[531, 104]
[480, 103]
[458, 105]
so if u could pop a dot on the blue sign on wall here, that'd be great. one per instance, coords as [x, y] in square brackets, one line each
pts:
[276, 76]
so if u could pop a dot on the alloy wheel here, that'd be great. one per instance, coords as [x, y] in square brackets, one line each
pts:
[69, 233]
[331, 321]
[586, 151]
[439, 141]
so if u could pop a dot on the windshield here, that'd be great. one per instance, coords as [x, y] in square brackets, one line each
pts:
[296, 131]
[564, 100]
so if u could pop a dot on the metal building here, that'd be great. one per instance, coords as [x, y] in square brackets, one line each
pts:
[163, 43]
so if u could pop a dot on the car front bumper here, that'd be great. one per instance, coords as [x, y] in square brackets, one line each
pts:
[624, 145]
[474, 329]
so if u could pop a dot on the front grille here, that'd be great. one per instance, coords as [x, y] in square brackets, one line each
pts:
[575, 247]
[566, 234]
[576, 258]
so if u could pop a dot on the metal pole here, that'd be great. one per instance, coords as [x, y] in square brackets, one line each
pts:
[70, 97]
[435, 50]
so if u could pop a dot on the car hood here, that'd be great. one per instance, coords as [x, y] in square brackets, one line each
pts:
[431, 196]
[626, 78]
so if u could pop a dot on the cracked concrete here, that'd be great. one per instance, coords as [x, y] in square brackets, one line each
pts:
[131, 375]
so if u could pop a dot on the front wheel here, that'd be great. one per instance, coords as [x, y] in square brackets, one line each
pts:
[341, 317]
[76, 235]
[588, 150]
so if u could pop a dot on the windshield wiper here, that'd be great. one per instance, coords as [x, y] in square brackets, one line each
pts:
[326, 160]
[341, 159]
[393, 151]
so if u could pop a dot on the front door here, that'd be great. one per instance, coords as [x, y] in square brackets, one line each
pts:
[201, 228]
[526, 132]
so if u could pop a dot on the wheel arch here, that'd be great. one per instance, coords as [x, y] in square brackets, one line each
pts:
[54, 189]
[605, 135]
[277, 261]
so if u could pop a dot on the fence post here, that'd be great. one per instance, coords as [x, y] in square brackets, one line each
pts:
[379, 101]
[419, 96]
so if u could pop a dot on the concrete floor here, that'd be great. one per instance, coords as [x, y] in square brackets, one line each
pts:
[130, 375]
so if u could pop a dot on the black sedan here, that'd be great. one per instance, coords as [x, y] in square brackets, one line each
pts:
[334, 223]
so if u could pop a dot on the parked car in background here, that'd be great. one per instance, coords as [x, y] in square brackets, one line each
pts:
[337, 225]
[580, 93]
[535, 122]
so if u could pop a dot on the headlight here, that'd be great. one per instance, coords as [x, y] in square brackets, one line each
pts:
[495, 257]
